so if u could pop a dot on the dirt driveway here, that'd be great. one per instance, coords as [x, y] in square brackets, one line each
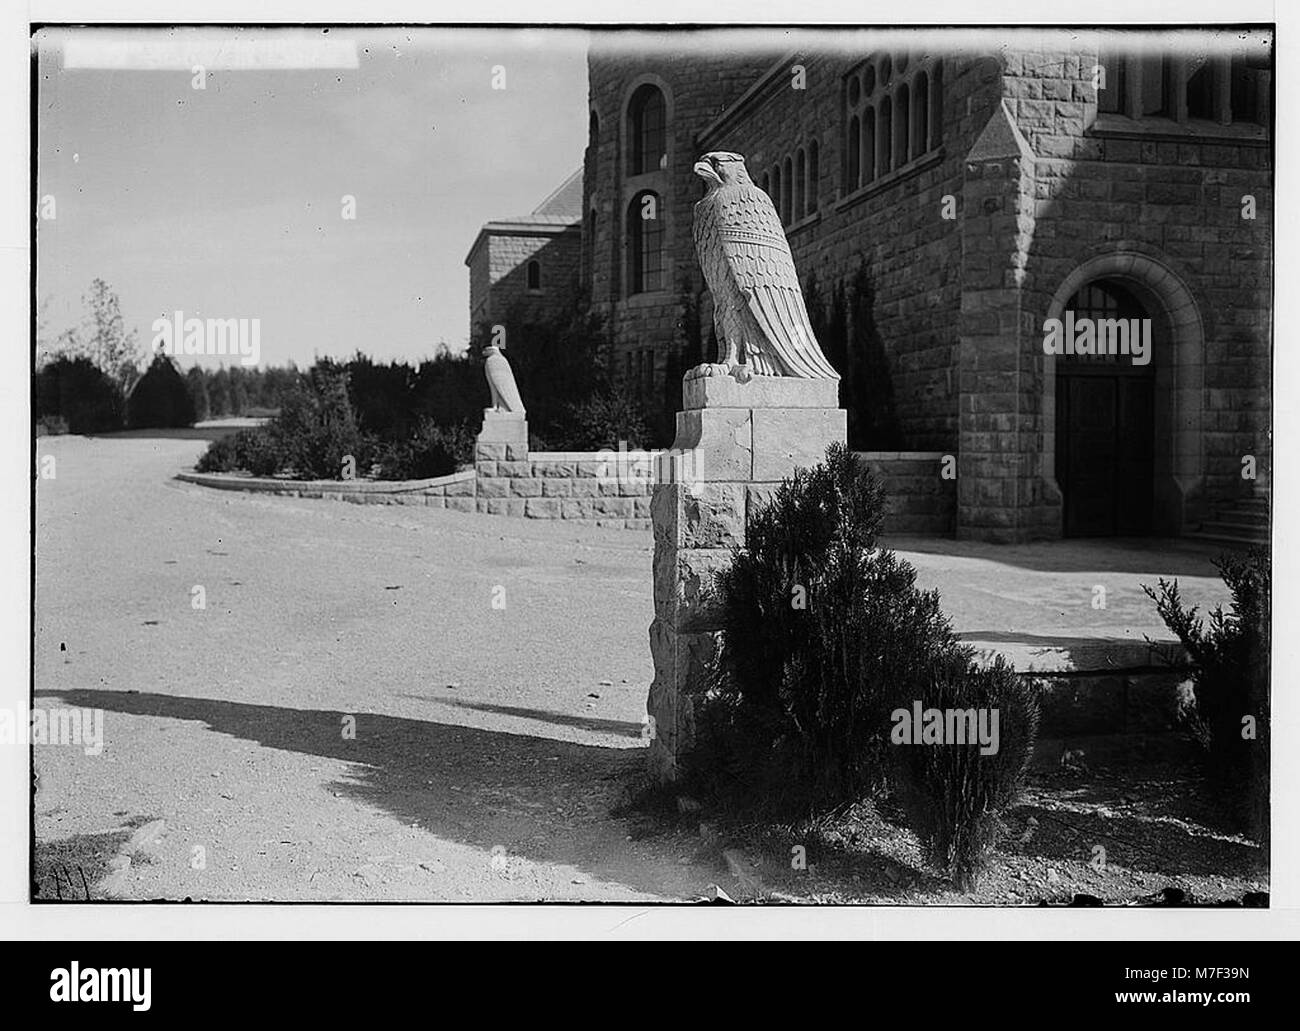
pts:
[349, 716]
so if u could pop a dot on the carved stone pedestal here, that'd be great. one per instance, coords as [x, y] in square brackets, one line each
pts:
[735, 443]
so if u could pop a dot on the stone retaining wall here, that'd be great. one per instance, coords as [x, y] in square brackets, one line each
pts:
[918, 499]
[455, 491]
[594, 486]
[584, 485]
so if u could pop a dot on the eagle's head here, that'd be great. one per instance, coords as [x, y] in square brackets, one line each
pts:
[722, 168]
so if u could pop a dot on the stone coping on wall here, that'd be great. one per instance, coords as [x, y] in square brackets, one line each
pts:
[902, 456]
[587, 456]
[277, 485]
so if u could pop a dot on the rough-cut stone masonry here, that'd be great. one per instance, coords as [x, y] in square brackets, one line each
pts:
[1017, 192]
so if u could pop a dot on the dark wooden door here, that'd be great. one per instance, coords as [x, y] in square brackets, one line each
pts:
[1104, 460]
[1105, 432]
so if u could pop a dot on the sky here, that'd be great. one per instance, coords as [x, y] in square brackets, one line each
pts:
[228, 201]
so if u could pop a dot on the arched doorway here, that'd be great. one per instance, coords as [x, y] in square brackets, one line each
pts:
[1139, 282]
[1105, 414]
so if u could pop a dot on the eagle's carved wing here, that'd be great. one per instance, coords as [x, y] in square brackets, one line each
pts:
[745, 244]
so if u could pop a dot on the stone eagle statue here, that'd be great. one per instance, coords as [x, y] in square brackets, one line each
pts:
[758, 308]
[501, 381]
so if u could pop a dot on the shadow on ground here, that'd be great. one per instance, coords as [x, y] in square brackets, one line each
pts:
[560, 802]
[545, 800]
[620, 727]
[67, 869]
[1162, 821]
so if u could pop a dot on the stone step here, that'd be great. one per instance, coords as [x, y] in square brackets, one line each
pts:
[1225, 538]
[1245, 520]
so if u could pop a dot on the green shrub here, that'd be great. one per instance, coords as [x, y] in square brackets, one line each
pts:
[876, 638]
[817, 627]
[219, 457]
[433, 450]
[608, 416]
[161, 398]
[1228, 661]
[954, 794]
[258, 452]
[76, 390]
[823, 635]
[316, 430]
[310, 437]
[836, 506]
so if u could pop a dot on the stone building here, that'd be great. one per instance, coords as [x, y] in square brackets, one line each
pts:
[528, 264]
[982, 190]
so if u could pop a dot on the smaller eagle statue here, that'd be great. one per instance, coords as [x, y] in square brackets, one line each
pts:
[501, 381]
[758, 309]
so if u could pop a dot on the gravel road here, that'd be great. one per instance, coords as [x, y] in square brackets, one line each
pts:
[349, 717]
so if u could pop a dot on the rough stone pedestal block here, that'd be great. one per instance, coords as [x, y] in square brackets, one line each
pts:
[503, 438]
[735, 443]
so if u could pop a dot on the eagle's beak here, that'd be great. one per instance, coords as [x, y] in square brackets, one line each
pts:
[706, 171]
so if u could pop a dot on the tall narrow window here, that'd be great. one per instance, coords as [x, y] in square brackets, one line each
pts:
[767, 184]
[813, 175]
[869, 146]
[902, 126]
[936, 105]
[1200, 88]
[1156, 94]
[1249, 89]
[800, 184]
[645, 237]
[885, 139]
[787, 187]
[1110, 78]
[776, 190]
[852, 150]
[534, 275]
[647, 137]
[921, 114]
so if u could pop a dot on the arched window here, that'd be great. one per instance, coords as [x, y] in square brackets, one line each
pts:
[854, 146]
[787, 186]
[869, 146]
[776, 190]
[534, 275]
[645, 238]
[800, 183]
[921, 115]
[885, 138]
[813, 173]
[767, 184]
[647, 138]
[902, 127]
